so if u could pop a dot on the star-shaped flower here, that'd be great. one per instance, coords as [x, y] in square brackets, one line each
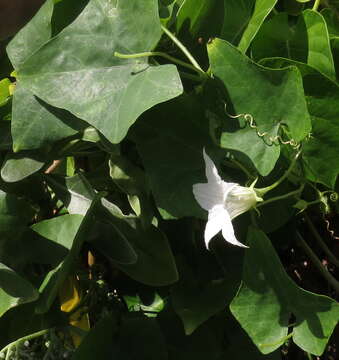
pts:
[224, 201]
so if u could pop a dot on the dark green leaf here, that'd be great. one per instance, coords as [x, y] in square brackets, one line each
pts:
[277, 37]
[335, 52]
[276, 214]
[206, 342]
[195, 16]
[195, 302]
[98, 342]
[21, 321]
[132, 180]
[170, 141]
[127, 176]
[15, 215]
[141, 250]
[240, 345]
[268, 297]
[331, 18]
[319, 49]
[14, 290]
[5, 135]
[294, 7]
[320, 151]
[153, 252]
[261, 9]
[75, 192]
[263, 94]
[167, 11]
[236, 18]
[60, 230]
[112, 243]
[141, 338]
[76, 228]
[65, 12]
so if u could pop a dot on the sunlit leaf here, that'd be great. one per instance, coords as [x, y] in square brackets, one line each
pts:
[34, 123]
[320, 150]
[106, 91]
[268, 297]
[260, 92]
[32, 36]
[20, 165]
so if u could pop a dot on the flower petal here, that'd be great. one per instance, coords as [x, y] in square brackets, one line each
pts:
[215, 191]
[209, 195]
[239, 200]
[213, 176]
[211, 170]
[228, 232]
[216, 220]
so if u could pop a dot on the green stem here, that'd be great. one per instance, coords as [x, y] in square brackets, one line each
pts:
[309, 356]
[282, 197]
[159, 53]
[281, 341]
[182, 47]
[313, 202]
[8, 354]
[192, 77]
[316, 262]
[264, 190]
[25, 338]
[320, 241]
[316, 5]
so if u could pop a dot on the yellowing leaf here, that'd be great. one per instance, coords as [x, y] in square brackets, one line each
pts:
[70, 298]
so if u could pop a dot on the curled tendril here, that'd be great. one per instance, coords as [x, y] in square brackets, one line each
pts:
[272, 140]
[330, 231]
[334, 197]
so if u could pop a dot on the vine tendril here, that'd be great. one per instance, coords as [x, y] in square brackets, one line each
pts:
[273, 140]
[330, 231]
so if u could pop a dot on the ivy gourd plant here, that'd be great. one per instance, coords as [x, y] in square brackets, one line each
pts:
[169, 181]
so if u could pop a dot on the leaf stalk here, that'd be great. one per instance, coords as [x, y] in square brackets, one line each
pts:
[266, 189]
[281, 341]
[183, 48]
[316, 5]
[161, 54]
[282, 197]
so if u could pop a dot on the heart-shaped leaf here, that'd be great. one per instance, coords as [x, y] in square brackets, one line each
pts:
[261, 93]
[268, 297]
[14, 290]
[261, 10]
[77, 69]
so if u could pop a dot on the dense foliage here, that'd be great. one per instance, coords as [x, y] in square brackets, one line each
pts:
[106, 109]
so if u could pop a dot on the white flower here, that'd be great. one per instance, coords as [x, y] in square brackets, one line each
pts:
[224, 201]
